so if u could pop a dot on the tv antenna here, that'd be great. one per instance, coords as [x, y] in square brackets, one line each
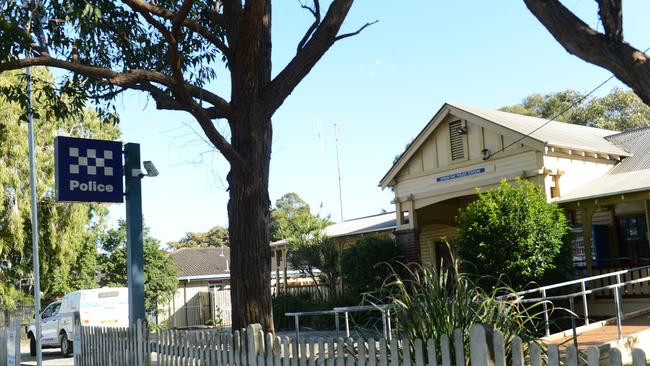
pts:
[337, 140]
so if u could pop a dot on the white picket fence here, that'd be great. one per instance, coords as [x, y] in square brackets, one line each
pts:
[251, 347]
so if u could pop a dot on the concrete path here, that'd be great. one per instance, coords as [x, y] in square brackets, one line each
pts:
[607, 333]
[51, 357]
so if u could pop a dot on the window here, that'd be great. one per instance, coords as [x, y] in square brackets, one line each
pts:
[457, 139]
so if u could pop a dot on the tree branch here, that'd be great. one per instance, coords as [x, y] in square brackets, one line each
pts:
[346, 35]
[315, 11]
[611, 15]
[169, 15]
[629, 64]
[181, 16]
[321, 40]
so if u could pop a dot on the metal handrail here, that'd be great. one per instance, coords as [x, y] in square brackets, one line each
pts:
[384, 309]
[579, 280]
[584, 292]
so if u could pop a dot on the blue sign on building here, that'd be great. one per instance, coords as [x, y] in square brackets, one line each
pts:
[466, 173]
[88, 170]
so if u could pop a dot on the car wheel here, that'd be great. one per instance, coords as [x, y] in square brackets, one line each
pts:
[66, 346]
[32, 345]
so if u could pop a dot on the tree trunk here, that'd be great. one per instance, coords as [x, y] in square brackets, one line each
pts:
[248, 212]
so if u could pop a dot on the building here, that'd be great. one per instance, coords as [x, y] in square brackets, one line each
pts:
[601, 178]
[343, 234]
[203, 288]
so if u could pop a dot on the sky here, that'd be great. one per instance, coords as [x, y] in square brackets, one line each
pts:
[382, 87]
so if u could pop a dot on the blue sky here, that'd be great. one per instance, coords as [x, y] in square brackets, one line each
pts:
[381, 86]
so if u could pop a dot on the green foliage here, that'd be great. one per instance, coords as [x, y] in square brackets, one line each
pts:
[110, 35]
[318, 253]
[160, 272]
[619, 110]
[215, 237]
[66, 230]
[363, 265]
[428, 304]
[287, 208]
[512, 231]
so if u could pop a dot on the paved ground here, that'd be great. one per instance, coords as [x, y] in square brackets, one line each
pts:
[51, 357]
[609, 332]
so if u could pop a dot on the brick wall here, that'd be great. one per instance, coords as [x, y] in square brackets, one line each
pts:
[408, 242]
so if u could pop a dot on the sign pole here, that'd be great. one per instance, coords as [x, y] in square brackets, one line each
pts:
[134, 240]
[34, 207]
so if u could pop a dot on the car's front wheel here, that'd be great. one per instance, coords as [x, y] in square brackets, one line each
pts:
[32, 345]
[66, 345]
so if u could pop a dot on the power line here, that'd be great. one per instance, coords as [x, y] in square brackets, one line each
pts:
[575, 103]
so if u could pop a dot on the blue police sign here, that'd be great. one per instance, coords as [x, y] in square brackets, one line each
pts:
[88, 170]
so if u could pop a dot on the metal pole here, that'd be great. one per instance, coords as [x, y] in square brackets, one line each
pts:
[617, 302]
[584, 302]
[347, 325]
[548, 330]
[390, 331]
[338, 166]
[336, 321]
[297, 324]
[34, 206]
[572, 305]
[134, 240]
[384, 325]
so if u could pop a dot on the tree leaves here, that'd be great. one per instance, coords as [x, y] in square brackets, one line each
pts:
[66, 230]
[517, 220]
[620, 110]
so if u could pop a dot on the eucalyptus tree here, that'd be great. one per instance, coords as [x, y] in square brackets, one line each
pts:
[67, 230]
[171, 50]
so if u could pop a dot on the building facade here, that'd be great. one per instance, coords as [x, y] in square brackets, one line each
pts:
[600, 177]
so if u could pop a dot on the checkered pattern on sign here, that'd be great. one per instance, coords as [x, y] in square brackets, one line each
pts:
[91, 162]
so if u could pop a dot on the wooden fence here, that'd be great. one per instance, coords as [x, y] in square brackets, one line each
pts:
[135, 346]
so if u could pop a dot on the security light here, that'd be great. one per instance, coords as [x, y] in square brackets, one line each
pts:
[150, 168]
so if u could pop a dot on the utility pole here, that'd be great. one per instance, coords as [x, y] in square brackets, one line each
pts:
[337, 140]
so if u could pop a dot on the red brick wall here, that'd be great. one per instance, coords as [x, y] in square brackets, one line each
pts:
[408, 242]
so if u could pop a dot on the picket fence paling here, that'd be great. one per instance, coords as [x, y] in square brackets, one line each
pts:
[251, 347]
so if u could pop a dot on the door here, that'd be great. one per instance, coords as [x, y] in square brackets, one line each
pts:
[633, 240]
[50, 324]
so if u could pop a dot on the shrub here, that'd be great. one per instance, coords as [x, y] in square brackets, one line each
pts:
[428, 304]
[364, 264]
[512, 231]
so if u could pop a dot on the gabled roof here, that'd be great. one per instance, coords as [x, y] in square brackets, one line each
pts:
[554, 134]
[362, 225]
[629, 176]
[193, 262]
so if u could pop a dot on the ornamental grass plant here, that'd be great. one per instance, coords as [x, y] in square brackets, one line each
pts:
[427, 303]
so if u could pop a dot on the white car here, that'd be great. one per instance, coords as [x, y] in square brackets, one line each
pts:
[105, 307]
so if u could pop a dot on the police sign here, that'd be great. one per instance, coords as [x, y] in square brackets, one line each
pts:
[88, 170]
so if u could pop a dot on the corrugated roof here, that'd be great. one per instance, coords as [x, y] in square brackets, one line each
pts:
[630, 175]
[611, 185]
[361, 225]
[202, 261]
[636, 142]
[560, 134]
